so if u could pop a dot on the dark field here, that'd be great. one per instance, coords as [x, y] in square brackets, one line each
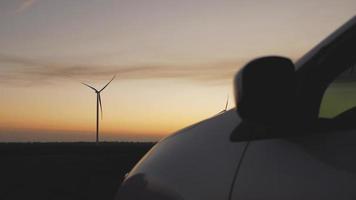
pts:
[66, 170]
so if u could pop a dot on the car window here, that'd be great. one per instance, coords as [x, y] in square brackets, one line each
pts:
[340, 96]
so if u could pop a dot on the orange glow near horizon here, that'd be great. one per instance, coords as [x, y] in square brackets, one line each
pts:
[134, 115]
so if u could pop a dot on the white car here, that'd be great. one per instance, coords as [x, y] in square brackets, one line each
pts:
[292, 135]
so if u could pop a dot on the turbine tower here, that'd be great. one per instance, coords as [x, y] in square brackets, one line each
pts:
[98, 103]
[227, 103]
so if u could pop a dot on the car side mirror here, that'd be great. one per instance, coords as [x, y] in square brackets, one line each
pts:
[265, 91]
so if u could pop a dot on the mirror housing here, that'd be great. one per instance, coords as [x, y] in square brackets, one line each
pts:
[265, 94]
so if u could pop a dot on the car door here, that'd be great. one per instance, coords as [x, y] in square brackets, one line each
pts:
[321, 162]
[312, 167]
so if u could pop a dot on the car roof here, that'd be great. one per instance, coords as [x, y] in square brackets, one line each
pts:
[332, 38]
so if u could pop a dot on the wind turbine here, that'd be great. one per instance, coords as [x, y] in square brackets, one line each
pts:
[225, 109]
[98, 103]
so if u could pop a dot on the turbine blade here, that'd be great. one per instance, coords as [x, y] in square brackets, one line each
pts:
[101, 107]
[108, 83]
[90, 87]
[227, 102]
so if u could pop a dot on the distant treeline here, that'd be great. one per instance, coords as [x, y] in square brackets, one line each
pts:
[52, 148]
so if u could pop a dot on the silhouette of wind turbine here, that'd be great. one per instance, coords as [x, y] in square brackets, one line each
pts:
[225, 109]
[98, 103]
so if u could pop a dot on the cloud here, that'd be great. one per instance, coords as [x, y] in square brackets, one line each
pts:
[23, 71]
[25, 4]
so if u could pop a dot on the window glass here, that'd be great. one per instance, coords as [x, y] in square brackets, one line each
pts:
[340, 96]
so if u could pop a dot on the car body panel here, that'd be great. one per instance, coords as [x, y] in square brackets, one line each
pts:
[311, 167]
[194, 163]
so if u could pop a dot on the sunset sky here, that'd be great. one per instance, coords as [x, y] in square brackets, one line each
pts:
[175, 60]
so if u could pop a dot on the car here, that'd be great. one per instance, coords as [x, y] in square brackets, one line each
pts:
[292, 135]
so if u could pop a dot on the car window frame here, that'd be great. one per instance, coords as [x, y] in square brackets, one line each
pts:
[319, 67]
